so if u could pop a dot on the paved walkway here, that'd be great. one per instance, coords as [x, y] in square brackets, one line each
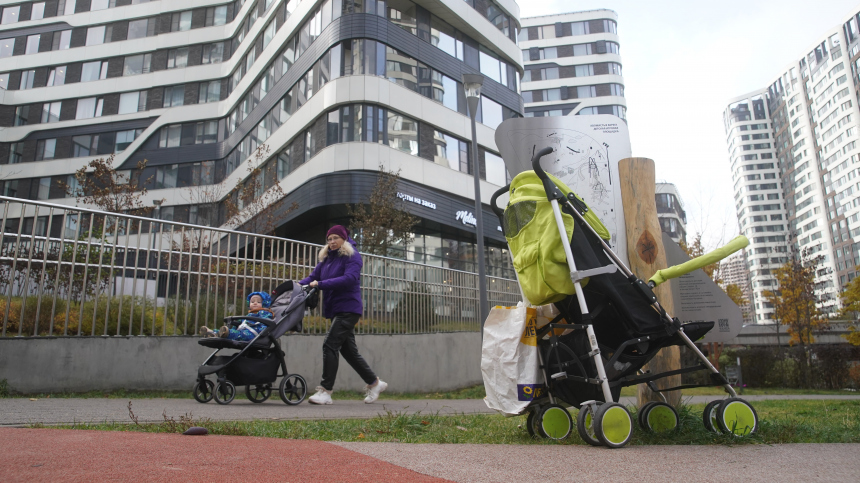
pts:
[23, 411]
[71, 455]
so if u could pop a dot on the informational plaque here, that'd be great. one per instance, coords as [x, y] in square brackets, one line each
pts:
[586, 151]
[698, 299]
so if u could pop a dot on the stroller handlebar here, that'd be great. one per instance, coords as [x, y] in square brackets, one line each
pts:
[498, 211]
[552, 191]
[712, 257]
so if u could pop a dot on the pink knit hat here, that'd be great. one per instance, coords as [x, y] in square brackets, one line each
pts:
[339, 231]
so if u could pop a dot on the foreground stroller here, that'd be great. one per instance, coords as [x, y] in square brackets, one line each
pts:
[259, 362]
[612, 322]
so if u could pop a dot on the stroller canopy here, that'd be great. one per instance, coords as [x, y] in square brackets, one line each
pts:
[532, 235]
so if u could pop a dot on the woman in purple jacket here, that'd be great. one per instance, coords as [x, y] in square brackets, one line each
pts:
[338, 275]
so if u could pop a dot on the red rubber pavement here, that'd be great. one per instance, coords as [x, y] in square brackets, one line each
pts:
[73, 455]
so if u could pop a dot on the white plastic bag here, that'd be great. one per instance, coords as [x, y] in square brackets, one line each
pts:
[509, 359]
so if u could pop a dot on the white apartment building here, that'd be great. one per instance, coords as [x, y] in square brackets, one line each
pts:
[805, 125]
[572, 65]
[670, 211]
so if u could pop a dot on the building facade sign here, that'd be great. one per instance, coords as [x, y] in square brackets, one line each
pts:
[416, 200]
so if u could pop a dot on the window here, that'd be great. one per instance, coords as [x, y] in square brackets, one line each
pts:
[27, 77]
[57, 76]
[124, 139]
[43, 189]
[32, 44]
[37, 11]
[584, 70]
[4, 81]
[585, 91]
[209, 92]
[491, 67]
[138, 29]
[22, 115]
[495, 169]
[66, 7]
[443, 35]
[402, 133]
[89, 107]
[174, 96]
[9, 188]
[62, 40]
[490, 112]
[213, 53]
[207, 132]
[96, 35]
[137, 64]
[10, 14]
[46, 149]
[177, 58]
[549, 53]
[216, 16]
[132, 102]
[6, 47]
[180, 21]
[16, 153]
[51, 112]
[269, 33]
[92, 71]
[100, 4]
[449, 151]
[170, 136]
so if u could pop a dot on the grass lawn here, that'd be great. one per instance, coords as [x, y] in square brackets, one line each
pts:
[806, 421]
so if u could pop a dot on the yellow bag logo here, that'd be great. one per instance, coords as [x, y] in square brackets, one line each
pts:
[530, 333]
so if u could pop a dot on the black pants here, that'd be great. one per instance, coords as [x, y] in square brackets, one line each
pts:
[341, 338]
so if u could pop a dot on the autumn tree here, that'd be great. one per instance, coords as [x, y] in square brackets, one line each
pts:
[381, 222]
[851, 309]
[99, 184]
[253, 205]
[697, 249]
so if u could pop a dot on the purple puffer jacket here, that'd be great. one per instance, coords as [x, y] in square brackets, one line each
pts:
[338, 275]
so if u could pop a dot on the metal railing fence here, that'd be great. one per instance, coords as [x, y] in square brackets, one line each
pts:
[70, 271]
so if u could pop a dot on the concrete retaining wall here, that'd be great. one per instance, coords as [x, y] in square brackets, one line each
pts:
[409, 363]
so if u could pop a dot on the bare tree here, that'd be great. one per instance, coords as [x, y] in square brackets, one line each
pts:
[381, 222]
[100, 184]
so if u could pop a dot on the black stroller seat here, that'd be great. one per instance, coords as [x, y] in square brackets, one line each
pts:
[219, 343]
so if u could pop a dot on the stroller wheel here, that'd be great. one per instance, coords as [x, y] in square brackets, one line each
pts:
[258, 393]
[204, 390]
[709, 417]
[585, 425]
[531, 421]
[554, 422]
[225, 392]
[735, 416]
[293, 389]
[641, 414]
[659, 417]
[613, 425]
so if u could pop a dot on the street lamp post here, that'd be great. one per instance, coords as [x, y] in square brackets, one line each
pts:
[472, 85]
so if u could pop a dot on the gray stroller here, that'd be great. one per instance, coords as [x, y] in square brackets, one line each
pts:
[259, 362]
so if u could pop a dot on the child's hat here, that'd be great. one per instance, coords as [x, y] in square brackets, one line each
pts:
[266, 298]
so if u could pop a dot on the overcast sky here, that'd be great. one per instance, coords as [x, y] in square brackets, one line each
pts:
[682, 62]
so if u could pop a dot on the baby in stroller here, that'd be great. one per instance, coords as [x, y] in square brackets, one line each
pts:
[258, 303]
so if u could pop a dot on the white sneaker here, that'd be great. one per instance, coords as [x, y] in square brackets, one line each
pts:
[321, 397]
[372, 392]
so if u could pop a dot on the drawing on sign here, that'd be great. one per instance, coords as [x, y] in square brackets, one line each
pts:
[579, 161]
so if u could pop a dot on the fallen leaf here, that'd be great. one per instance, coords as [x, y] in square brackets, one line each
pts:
[425, 423]
[33, 399]
[462, 428]
[360, 435]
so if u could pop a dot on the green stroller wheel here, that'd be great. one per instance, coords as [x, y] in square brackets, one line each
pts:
[554, 422]
[613, 425]
[709, 417]
[585, 425]
[735, 416]
[641, 413]
[660, 417]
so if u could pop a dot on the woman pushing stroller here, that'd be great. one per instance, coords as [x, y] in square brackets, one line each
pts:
[338, 275]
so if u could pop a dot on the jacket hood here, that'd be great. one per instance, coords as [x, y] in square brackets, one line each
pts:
[348, 249]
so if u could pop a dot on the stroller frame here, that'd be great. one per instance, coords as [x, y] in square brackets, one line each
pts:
[673, 326]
